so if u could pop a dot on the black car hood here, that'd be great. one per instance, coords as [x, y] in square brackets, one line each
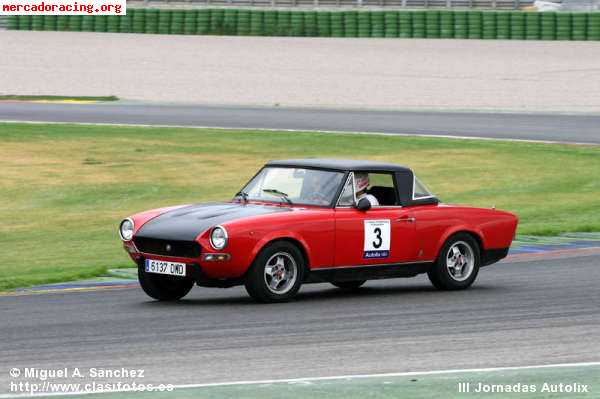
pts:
[186, 223]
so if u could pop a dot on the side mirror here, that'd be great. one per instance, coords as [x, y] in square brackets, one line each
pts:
[363, 204]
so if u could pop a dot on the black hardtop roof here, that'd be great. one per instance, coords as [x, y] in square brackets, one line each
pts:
[340, 164]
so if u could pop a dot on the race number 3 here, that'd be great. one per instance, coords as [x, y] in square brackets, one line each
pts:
[377, 239]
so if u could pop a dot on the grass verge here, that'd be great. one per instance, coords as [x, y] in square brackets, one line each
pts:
[578, 382]
[64, 188]
[12, 97]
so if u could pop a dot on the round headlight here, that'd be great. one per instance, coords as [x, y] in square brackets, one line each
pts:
[218, 238]
[126, 230]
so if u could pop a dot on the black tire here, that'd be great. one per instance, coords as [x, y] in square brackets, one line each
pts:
[259, 285]
[349, 285]
[441, 276]
[164, 288]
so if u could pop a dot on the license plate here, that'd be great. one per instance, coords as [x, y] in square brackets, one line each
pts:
[163, 267]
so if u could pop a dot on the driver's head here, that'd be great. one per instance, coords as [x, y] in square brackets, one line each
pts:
[312, 181]
[312, 185]
[362, 181]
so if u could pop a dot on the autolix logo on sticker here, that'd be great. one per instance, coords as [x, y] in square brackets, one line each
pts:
[377, 239]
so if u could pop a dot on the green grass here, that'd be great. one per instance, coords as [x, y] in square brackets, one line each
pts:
[64, 188]
[56, 98]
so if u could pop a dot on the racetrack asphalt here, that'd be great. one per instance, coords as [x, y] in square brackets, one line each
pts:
[523, 313]
[543, 127]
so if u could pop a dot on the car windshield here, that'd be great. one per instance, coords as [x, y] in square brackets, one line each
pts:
[294, 186]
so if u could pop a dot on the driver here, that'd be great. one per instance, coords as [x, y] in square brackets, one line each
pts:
[316, 190]
[362, 183]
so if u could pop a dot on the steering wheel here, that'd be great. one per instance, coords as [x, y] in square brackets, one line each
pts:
[319, 198]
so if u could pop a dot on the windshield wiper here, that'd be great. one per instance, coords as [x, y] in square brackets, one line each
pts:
[242, 194]
[278, 193]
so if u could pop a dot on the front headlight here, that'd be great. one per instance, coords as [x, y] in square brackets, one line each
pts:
[126, 230]
[218, 238]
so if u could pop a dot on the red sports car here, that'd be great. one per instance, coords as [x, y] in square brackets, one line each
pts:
[312, 221]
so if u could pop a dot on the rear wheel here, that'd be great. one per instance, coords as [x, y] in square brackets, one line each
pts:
[276, 274]
[457, 265]
[164, 288]
[349, 285]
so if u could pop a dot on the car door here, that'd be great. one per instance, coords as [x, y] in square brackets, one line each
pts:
[381, 235]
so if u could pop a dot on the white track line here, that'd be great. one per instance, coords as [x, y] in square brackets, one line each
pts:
[330, 378]
[443, 136]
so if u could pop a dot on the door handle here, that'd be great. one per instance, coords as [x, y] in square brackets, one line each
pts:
[406, 219]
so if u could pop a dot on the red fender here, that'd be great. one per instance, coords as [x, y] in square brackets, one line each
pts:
[457, 229]
[278, 235]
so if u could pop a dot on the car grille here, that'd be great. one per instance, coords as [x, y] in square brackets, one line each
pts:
[181, 249]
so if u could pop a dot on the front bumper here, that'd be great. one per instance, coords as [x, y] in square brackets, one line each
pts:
[196, 272]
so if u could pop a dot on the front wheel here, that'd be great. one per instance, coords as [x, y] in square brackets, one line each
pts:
[276, 274]
[457, 265]
[164, 288]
